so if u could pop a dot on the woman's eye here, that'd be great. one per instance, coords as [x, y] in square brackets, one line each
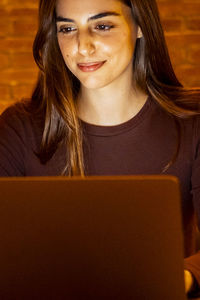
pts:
[104, 27]
[66, 30]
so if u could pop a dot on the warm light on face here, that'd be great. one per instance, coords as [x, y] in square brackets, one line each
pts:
[97, 39]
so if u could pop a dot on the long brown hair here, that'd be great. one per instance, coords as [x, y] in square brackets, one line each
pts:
[57, 88]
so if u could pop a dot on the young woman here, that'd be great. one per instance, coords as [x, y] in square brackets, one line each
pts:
[107, 102]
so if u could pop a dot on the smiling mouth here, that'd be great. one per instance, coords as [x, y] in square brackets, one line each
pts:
[91, 67]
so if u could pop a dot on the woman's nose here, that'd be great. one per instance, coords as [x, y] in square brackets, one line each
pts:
[86, 45]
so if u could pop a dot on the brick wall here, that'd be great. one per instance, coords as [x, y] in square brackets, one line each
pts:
[18, 24]
[18, 72]
[181, 21]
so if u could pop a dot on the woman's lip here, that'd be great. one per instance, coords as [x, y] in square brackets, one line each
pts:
[90, 67]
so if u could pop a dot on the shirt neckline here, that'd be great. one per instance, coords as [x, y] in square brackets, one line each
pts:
[100, 130]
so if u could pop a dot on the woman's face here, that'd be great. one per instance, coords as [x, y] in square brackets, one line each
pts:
[97, 39]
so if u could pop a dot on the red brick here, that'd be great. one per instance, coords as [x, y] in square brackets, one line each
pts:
[188, 75]
[24, 28]
[22, 91]
[3, 4]
[171, 25]
[193, 24]
[179, 41]
[4, 12]
[182, 50]
[21, 3]
[4, 61]
[175, 9]
[14, 77]
[194, 55]
[178, 56]
[5, 92]
[5, 27]
[30, 13]
[16, 44]
[22, 60]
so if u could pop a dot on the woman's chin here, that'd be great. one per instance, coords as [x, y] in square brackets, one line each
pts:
[92, 84]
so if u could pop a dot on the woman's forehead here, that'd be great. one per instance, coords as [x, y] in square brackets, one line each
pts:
[78, 6]
[81, 11]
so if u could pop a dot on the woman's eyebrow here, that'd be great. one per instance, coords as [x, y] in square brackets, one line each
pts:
[95, 17]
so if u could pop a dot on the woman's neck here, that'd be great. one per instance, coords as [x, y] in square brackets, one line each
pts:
[110, 105]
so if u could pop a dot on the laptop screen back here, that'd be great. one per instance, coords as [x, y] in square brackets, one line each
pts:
[94, 238]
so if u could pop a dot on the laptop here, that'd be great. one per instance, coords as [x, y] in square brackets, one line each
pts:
[110, 237]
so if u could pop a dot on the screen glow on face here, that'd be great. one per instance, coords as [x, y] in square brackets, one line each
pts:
[96, 38]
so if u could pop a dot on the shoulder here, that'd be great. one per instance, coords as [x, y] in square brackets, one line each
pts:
[12, 119]
[21, 116]
[191, 125]
[20, 137]
[17, 111]
[21, 124]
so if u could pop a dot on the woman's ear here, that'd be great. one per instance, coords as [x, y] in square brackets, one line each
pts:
[139, 33]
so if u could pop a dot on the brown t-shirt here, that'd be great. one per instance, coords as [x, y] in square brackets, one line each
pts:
[143, 145]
